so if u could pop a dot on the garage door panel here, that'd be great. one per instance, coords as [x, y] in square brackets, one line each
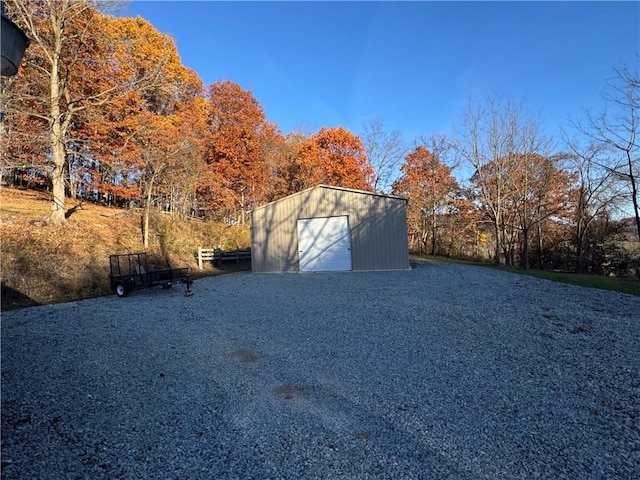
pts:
[324, 244]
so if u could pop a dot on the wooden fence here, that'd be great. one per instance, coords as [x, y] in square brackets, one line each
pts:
[217, 255]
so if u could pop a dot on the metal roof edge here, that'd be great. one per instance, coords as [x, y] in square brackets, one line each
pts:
[365, 192]
[331, 187]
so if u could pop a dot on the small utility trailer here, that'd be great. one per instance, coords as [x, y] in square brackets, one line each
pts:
[130, 271]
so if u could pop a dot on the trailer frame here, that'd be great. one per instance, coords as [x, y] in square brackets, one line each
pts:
[130, 271]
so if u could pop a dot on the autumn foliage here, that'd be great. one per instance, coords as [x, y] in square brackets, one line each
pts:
[107, 103]
[103, 110]
[440, 219]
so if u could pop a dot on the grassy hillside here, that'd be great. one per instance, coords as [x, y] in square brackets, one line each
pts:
[44, 264]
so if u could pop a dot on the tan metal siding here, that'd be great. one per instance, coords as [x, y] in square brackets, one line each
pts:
[378, 227]
[274, 241]
[379, 233]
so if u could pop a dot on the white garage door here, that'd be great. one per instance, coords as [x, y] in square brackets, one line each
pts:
[324, 244]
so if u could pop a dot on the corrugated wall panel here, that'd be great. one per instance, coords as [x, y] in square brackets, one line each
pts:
[274, 243]
[380, 233]
[378, 229]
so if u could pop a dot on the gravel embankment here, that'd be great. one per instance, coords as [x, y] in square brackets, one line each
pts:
[445, 371]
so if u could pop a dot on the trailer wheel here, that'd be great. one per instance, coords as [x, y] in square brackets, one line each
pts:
[121, 289]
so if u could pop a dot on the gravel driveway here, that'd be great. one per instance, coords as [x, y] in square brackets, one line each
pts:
[442, 372]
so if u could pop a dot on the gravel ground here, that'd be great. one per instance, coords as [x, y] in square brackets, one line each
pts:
[445, 371]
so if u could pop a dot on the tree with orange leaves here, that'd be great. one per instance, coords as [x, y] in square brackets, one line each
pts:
[342, 159]
[80, 61]
[239, 175]
[540, 190]
[431, 189]
[120, 131]
[169, 141]
[333, 156]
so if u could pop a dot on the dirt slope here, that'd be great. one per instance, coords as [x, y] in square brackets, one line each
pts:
[42, 264]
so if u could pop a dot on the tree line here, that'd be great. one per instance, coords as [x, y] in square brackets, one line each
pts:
[103, 110]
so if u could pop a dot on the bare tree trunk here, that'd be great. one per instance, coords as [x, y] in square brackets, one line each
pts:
[496, 256]
[525, 247]
[57, 213]
[434, 226]
[147, 211]
[539, 246]
[56, 137]
[145, 220]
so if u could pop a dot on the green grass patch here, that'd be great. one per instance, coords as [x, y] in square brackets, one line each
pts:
[622, 285]
[593, 281]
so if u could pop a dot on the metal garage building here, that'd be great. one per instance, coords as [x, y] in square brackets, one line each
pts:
[330, 229]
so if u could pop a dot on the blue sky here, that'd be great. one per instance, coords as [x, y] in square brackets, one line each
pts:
[413, 64]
